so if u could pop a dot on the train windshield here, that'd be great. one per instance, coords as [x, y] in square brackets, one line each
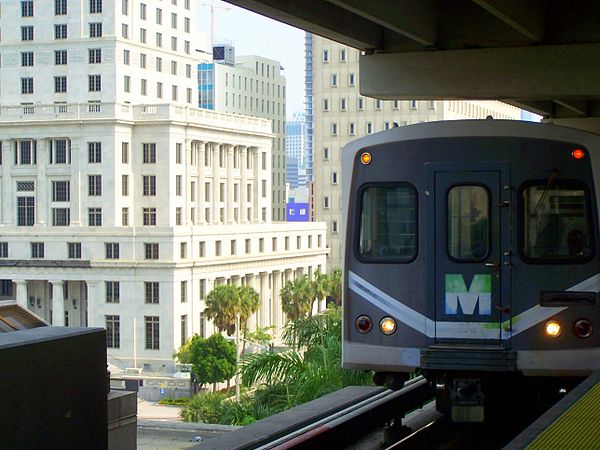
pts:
[556, 223]
[388, 223]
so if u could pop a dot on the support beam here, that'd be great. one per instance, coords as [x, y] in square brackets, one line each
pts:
[540, 73]
[321, 18]
[414, 20]
[526, 17]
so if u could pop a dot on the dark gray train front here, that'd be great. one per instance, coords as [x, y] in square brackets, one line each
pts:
[467, 244]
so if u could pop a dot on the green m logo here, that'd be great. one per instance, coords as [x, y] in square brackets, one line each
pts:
[480, 292]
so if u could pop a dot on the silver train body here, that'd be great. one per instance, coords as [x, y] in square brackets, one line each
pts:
[472, 254]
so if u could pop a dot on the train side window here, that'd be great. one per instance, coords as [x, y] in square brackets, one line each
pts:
[468, 223]
[556, 223]
[388, 229]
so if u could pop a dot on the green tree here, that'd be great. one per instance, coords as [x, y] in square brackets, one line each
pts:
[297, 297]
[334, 287]
[225, 302]
[212, 359]
[311, 367]
[319, 283]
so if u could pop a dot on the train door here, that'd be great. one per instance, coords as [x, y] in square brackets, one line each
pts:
[471, 233]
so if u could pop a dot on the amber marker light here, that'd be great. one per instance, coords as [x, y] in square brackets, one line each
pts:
[578, 153]
[552, 328]
[365, 158]
[387, 325]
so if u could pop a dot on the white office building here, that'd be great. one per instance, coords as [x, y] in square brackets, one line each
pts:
[340, 114]
[121, 203]
[254, 86]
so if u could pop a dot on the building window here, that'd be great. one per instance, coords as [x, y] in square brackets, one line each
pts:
[125, 31]
[143, 35]
[94, 55]
[149, 218]
[334, 80]
[94, 152]
[178, 213]
[342, 104]
[61, 217]
[326, 202]
[60, 7]
[233, 247]
[361, 104]
[261, 245]
[183, 291]
[60, 57]
[149, 185]
[126, 83]
[334, 226]
[377, 104]
[325, 104]
[183, 329]
[25, 211]
[27, 8]
[174, 43]
[27, 33]
[126, 57]
[151, 292]
[218, 248]
[149, 153]
[113, 331]
[151, 250]
[61, 191]
[94, 83]
[334, 129]
[95, 6]
[183, 250]
[144, 87]
[143, 60]
[351, 80]
[159, 90]
[351, 129]
[158, 16]
[413, 104]
[174, 93]
[112, 291]
[334, 178]
[369, 127]
[287, 243]
[60, 84]
[26, 59]
[95, 29]
[74, 250]
[94, 185]
[395, 104]
[60, 31]
[125, 217]
[325, 56]
[152, 332]
[95, 217]
[27, 85]
[143, 11]
[178, 179]
[112, 250]
[124, 185]
[37, 249]
[201, 249]
[159, 39]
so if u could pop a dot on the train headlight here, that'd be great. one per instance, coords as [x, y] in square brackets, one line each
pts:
[387, 325]
[363, 324]
[553, 328]
[583, 328]
[365, 158]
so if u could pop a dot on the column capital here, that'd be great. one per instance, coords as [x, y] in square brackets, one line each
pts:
[56, 281]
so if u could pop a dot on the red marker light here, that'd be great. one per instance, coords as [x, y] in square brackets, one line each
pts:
[578, 153]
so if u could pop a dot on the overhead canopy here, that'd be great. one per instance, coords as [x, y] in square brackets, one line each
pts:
[541, 55]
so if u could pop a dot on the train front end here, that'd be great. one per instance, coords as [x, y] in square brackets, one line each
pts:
[471, 255]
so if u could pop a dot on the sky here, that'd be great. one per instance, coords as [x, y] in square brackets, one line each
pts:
[253, 34]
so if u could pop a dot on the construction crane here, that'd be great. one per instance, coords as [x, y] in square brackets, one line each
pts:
[212, 18]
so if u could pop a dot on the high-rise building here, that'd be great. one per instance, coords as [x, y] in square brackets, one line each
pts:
[254, 86]
[121, 203]
[340, 114]
[295, 137]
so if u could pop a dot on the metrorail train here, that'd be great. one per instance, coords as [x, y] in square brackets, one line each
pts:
[471, 255]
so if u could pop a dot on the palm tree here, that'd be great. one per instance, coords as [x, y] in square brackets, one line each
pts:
[334, 287]
[224, 303]
[319, 286]
[311, 367]
[222, 307]
[297, 297]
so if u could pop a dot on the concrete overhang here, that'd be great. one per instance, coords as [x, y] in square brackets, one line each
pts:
[540, 55]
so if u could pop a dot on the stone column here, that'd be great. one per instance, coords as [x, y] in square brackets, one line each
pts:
[6, 190]
[243, 185]
[216, 181]
[21, 294]
[185, 188]
[58, 303]
[252, 322]
[277, 311]
[201, 184]
[229, 183]
[94, 298]
[264, 306]
[41, 189]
